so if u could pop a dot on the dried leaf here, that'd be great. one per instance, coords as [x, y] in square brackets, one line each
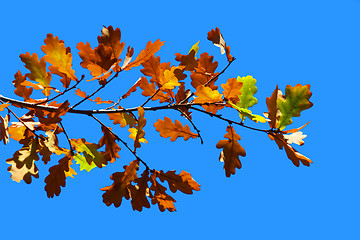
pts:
[90, 151]
[149, 90]
[204, 72]
[216, 37]
[144, 55]
[231, 151]
[139, 192]
[164, 201]
[182, 182]
[20, 90]
[111, 147]
[120, 187]
[207, 95]
[232, 89]
[4, 128]
[296, 137]
[168, 129]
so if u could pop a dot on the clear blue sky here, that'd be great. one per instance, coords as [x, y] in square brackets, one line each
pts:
[277, 42]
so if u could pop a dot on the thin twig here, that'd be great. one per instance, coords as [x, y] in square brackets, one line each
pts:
[101, 87]
[71, 148]
[197, 130]
[123, 142]
[150, 97]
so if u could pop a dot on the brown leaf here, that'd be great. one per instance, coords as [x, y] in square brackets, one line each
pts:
[182, 182]
[139, 192]
[168, 129]
[111, 147]
[180, 96]
[123, 119]
[140, 133]
[144, 55]
[48, 118]
[291, 153]
[189, 61]
[132, 89]
[120, 187]
[4, 128]
[204, 72]
[56, 177]
[231, 151]
[20, 90]
[216, 37]
[111, 38]
[273, 109]
[164, 201]
[129, 54]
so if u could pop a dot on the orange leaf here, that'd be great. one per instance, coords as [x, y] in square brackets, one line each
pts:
[273, 109]
[58, 56]
[207, 95]
[120, 187]
[123, 119]
[231, 151]
[57, 177]
[144, 55]
[37, 71]
[160, 197]
[21, 90]
[128, 57]
[132, 89]
[52, 117]
[111, 38]
[216, 37]
[149, 90]
[140, 133]
[111, 147]
[232, 89]
[22, 173]
[204, 72]
[168, 129]
[189, 61]
[182, 182]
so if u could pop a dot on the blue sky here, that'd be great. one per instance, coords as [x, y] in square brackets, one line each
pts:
[277, 42]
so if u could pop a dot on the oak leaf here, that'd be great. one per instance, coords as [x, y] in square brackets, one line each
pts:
[217, 38]
[59, 56]
[296, 99]
[21, 90]
[273, 111]
[4, 128]
[182, 182]
[168, 129]
[291, 153]
[189, 61]
[232, 89]
[207, 95]
[22, 173]
[84, 165]
[37, 71]
[111, 38]
[140, 192]
[120, 187]
[149, 90]
[296, 137]
[90, 151]
[144, 55]
[160, 197]
[111, 147]
[204, 72]
[57, 176]
[231, 151]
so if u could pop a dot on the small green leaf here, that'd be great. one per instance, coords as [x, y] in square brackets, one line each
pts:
[296, 99]
[84, 165]
[248, 90]
[92, 155]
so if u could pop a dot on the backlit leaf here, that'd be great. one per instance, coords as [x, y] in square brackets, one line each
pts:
[207, 95]
[168, 129]
[243, 112]
[140, 192]
[111, 147]
[120, 187]
[232, 89]
[296, 99]
[84, 165]
[182, 182]
[164, 201]
[231, 151]
[92, 155]
[21, 90]
[58, 56]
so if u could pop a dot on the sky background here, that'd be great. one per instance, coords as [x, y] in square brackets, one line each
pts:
[277, 42]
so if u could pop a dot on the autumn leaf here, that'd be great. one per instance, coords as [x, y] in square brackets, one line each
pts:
[128, 57]
[231, 151]
[84, 165]
[132, 89]
[296, 137]
[296, 99]
[20, 90]
[17, 129]
[123, 119]
[144, 55]
[4, 128]
[217, 39]
[140, 133]
[37, 71]
[168, 80]
[182, 182]
[273, 109]
[232, 89]
[207, 95]
[98, 100]
[164, 201]
[140, 192]
[48, 145]
[59, 56]
[90, 151]
[111, 147]
[204, 71]
[168, 129]
[50, 118]
[111, 38]
[243, 112]
[57, 176]
[149, 90]
[22, 173]
[291, 153]
[120, 187]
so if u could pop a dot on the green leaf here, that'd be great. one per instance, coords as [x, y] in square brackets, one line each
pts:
[248, 90]
[296, 99]
[243, 112]
[92, 155]
[84, 165]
